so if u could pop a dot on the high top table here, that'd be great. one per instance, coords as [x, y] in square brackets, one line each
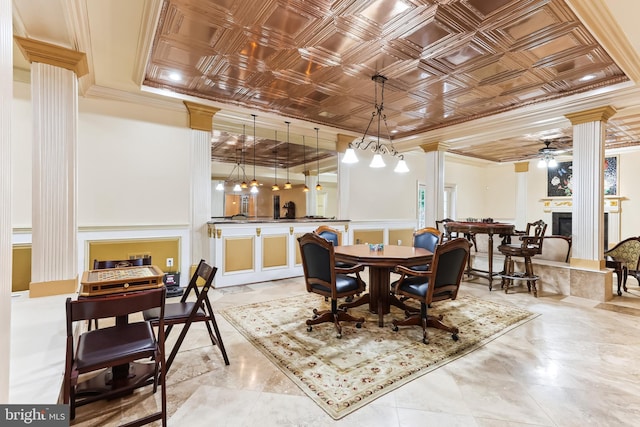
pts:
[469, 229]
[381, 264]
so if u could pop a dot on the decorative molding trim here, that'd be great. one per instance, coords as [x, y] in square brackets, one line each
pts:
[47, 53]
[343, 142]
[565, 204]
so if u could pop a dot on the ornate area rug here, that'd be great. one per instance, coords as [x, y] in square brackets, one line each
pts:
[342, 375]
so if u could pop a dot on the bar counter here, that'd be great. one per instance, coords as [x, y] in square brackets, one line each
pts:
[250, 250]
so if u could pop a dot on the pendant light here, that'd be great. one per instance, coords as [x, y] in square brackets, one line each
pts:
[304, 157]
[254, 181]
[275, 167]
[287, 185]
[318, 186]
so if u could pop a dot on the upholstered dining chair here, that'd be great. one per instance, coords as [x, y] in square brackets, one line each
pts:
[427, 238]
[439, 283]
[115, 347]
[322, 277]
[626, 257]
[333, 235]
[186, 312]
[530, 244]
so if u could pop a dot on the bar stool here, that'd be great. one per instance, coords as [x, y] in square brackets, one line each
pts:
[530, 245]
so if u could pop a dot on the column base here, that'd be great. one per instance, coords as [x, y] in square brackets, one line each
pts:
[53, 287]
[591, 284]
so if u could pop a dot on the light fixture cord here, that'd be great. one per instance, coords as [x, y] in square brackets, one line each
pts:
[288, 149]
[254, 147]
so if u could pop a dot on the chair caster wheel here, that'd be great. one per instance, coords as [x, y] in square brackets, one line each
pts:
[455, 337]
[339, 336]
[619, 293]
[425, 341]
[395, 328]
[358, 325]
[309, 329]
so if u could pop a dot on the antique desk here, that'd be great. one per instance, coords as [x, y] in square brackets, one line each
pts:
[381, 264]
[469, 229]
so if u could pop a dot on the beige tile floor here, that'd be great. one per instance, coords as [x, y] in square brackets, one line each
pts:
[576, 364]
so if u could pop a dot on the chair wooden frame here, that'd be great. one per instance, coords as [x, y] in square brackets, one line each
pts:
[115, 347]
[186, 312]
[531, 245]
[446, 279]
[618, 259]
[323, 277]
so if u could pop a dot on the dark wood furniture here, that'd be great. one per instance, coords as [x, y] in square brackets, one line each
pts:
[187, 312]
[530, 245]
[439, 283]
[381, 264]
[115, 347]
[118, 280]
[470, 229]
[426, 238]
[624, 258]
[322, 277]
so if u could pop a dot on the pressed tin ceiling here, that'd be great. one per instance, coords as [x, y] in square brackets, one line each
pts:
[446, 61]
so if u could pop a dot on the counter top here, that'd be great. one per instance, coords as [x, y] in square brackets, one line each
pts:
[266, 220]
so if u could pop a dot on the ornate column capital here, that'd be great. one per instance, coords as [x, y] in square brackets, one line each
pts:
[200, 116]
[47, 53]
[343, 142]
[521, 167]
[600, 114]
[435, 146]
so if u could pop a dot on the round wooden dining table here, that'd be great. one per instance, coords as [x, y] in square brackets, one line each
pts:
[381, 263]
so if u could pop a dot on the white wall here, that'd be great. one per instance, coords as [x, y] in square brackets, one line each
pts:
[133, 163]
[381, 194]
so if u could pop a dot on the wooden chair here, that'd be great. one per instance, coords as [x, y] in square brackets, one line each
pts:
[624, 258]
[440, 282]
[187, 312]
[530, 244]
[115, 347]
[322, 277]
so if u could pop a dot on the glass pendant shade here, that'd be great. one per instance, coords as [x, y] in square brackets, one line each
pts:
[318, 187]
[254, 190]
[220, 186]
[552, 163]
[350, 156]
[377, 162]
[401, 167]
[237, 187]
[305, 189]
[287, 185]
[254, 183]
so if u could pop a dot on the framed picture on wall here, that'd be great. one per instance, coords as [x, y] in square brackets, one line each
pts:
[559, 178]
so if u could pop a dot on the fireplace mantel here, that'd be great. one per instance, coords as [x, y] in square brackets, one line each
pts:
[611, 206]
[565, 204]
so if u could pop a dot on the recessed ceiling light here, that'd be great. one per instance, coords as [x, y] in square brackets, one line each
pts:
[175, 77]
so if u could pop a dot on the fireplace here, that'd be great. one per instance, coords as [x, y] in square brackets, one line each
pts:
[561, 225]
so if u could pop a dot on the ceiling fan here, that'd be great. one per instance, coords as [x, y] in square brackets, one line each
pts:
[548, 152]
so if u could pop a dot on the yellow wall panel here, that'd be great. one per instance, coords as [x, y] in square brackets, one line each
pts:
[21, 268]
[158, 249]
[238, 253]
[368, 236]
[297, 245]
[406, 236]
[274, 251]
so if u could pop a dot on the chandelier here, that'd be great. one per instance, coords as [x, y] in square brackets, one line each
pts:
[375, 145]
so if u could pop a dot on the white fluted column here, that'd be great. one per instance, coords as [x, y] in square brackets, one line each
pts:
[434, 203]
[522, 173]
[588, 187]
[588, 276]
[6, 248]
[54, 96]
[312, 194]
[343, 176]
[201, 123]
